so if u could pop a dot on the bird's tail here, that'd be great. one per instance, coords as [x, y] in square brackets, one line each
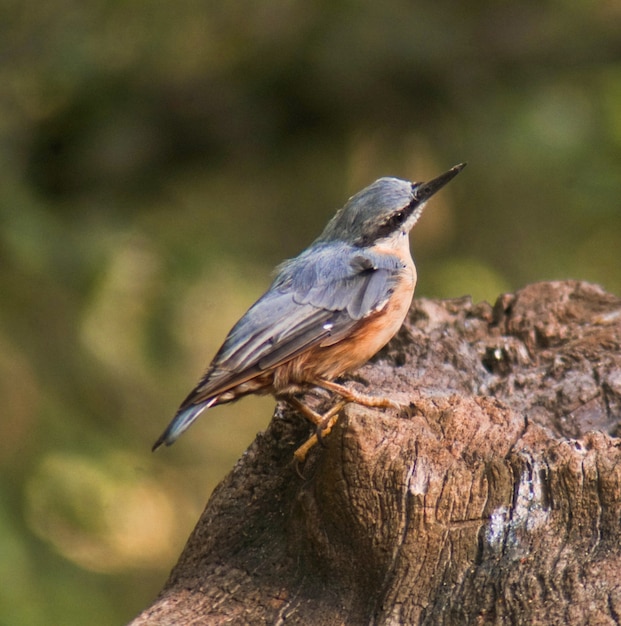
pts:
[181, 422]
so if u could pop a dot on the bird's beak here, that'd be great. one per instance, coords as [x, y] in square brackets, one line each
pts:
[424, 191]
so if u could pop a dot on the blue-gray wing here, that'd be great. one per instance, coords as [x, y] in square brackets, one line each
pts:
[315, 299]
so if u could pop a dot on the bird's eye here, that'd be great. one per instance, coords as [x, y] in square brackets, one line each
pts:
[397, 219]
[391, 225]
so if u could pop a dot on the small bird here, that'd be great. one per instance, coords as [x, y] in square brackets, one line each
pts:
[327, 311]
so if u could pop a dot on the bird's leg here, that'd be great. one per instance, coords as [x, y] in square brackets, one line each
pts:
[323, 428]
[357, 398]
[307, 412]
[329, 420]
[324, 423]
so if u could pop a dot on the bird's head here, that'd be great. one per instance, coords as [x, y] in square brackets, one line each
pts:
[387, 208]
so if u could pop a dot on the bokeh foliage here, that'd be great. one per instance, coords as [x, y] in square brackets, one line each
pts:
[158, 158]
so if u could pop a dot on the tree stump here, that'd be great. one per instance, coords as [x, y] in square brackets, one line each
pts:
[494, 499]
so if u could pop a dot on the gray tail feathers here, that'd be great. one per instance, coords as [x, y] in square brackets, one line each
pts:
[181, 422]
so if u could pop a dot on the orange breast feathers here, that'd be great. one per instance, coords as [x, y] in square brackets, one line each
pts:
[367, 337]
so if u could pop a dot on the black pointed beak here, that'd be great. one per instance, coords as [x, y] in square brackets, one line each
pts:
[424, 191]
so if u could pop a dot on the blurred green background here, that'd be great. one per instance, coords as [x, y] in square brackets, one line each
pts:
[157, 159]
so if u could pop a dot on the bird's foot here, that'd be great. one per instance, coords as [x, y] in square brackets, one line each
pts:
[324, 423]
[356, 397]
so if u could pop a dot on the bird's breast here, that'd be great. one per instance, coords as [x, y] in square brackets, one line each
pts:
[367, 337]
[379, 327]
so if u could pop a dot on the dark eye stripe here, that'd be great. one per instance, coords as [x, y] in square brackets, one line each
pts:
[388, 227]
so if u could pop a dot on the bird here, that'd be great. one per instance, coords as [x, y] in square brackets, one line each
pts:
[326, 312]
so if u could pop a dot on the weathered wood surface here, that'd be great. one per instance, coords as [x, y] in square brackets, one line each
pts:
[495, 499]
